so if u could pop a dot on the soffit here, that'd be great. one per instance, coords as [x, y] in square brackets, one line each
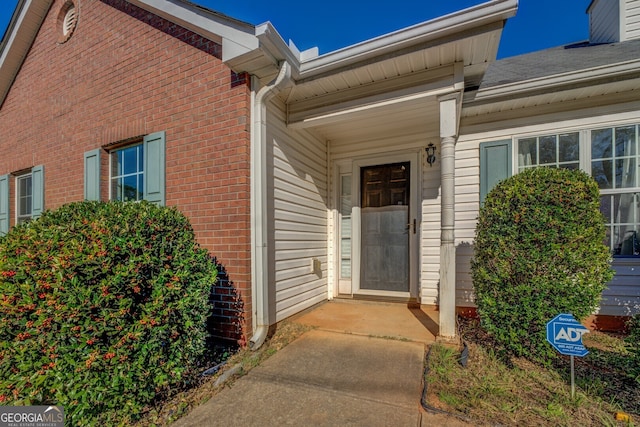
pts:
[18, 39]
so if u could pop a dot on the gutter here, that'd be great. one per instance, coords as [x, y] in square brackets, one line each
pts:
[259, 212]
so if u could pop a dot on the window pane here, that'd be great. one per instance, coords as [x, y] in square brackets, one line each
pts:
[527, 152]
[601, 141]
[548, 150]
[569, 147]
[605, 207]
[572, 166]
[626, 141]
[116, 189]
[626, 172]
[130, 161]
[116, 163]
[626, 223]
[130, 188]
[602, 172]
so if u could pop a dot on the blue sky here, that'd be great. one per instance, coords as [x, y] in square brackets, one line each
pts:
[333, 24]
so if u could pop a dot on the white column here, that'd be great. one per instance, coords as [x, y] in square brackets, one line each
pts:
[449, 119]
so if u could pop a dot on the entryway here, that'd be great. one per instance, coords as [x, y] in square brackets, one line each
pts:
[374, 319]
[378, 227]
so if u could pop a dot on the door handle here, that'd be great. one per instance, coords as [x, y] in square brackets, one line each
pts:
[414, 226]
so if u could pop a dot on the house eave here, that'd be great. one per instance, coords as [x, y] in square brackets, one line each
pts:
[551, 84]
[18, 38]
[236, 37]
[420, 34]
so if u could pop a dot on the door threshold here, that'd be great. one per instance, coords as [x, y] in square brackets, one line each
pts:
[385, 298]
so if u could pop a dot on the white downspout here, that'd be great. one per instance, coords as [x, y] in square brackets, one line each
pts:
[259, 213]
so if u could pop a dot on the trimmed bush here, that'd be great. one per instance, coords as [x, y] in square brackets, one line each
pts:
[633, 342]
[539, 252]
[102, 309]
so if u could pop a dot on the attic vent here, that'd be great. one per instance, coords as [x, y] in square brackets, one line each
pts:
[69, 22]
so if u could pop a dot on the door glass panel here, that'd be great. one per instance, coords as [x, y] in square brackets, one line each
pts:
[385, 231]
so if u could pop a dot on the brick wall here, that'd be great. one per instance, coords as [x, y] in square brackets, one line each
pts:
[125, 73]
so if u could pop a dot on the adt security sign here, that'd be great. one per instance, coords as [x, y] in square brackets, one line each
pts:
[564, 333]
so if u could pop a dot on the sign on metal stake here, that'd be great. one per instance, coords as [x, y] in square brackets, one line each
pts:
[564, 333]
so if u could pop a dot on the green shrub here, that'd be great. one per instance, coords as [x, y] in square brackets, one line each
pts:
[102, 309]
[539, 252]
[633, 342]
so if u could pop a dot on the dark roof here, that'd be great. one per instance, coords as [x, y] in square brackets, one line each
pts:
[208, 11]
[558, 60]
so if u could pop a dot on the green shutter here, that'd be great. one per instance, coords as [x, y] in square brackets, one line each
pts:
[37, 191]
[92, 175]
[495, 165]
[4, 204]
[154, 168]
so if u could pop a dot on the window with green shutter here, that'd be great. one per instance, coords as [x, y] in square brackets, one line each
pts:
[137, 172]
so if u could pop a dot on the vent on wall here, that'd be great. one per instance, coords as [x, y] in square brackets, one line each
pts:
[67, 21]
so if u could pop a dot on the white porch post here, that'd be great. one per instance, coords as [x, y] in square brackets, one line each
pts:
[449, 119]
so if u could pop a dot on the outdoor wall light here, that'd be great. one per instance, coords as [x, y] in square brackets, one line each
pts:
[431, 153]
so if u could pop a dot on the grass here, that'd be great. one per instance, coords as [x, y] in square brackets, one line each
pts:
[494, 390]
[169, 410]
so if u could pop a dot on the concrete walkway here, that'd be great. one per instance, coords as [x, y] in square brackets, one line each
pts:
[331, 378]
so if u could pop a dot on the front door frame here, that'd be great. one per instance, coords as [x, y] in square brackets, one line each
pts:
[413, 158]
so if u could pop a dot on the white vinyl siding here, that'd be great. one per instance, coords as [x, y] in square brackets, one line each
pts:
[467, 191]
[299, 185]
[632, 19]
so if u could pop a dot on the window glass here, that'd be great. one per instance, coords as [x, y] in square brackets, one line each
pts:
[547, 148]
[550, 150]
[614, 165]
[24, 198]
[127, 174]
[527, 153]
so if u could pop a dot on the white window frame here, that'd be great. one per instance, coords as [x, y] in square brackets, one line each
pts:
[20, 216]
[585, 161]
[138, 174]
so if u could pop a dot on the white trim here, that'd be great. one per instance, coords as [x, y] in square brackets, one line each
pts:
[236, 37]
[17, 201]
[547, 83]
[454, 23]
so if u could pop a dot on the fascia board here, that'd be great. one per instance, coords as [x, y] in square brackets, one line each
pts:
[23, 28]
[274, 45]
[236, 37]
[552, 83]
[492, 11]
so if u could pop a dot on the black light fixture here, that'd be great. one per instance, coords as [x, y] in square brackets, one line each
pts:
[431, 153]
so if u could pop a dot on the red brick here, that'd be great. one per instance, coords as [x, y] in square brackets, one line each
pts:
[124, 73]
